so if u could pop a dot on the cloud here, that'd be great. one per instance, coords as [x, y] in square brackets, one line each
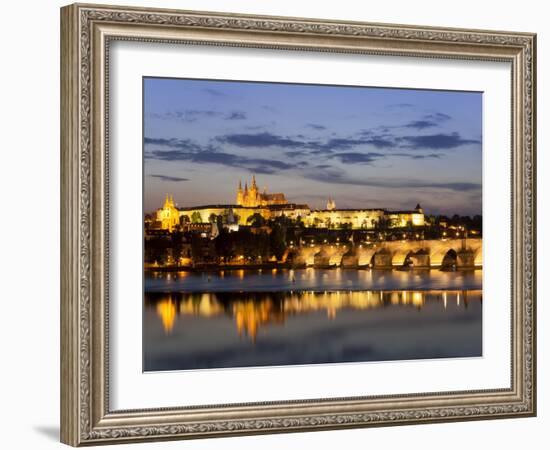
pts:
[420, 124]
[186, 150]
[267, 140]
[429, 155]
[397, 183]
[301, 155]
[436, 141]
[168, 178]
[365, 138]
[413, 156]
[370, 157]
[182, 144]
[358, 158]
[428, 121]
[264, 139]
[295, 153]
[348, 143]
[236, 115]
[159, 141]
[437, 117]
[316, 126]
[188, 115]
[192, 115]
[259, 165]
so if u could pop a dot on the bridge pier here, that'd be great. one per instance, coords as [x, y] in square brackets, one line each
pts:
[420, 260]
[321, 261]
[350, 261]
[465, 260]
[383, 260]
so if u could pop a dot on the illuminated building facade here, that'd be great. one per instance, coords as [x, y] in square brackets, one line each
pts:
[251, 197]
[250, 203]
[168, 217]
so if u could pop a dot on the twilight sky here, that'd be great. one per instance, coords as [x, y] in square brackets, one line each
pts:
[364, 147]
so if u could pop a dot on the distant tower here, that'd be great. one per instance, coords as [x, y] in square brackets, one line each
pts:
[253, 194]
[168, 215]
[245, 194]
[331, 204]
[240, 198]
[169, 202]
[419, 209]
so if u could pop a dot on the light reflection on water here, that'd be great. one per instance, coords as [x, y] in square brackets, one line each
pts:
[250, 310]
[238, 329]
[310, 279]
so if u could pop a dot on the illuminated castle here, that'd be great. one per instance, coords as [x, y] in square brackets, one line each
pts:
[251, 197]
[251, 202]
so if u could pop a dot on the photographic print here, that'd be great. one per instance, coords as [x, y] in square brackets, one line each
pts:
[289, 224]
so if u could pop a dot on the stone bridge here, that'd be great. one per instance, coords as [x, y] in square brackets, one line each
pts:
[423, 254]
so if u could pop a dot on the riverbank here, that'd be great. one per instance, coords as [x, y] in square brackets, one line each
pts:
[209, 268]
[219, 267]
[310, 279]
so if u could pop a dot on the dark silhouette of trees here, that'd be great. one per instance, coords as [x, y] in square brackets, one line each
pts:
[256, 220]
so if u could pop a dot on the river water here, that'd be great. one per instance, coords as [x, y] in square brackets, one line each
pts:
[195, 320]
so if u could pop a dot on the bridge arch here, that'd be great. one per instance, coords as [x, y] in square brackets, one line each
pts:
[400, 256]
[365, 255]
[438, 253]
[291, 256]
[450, 260]
[422, 254]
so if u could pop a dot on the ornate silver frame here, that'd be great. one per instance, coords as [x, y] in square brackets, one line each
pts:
[86, 31]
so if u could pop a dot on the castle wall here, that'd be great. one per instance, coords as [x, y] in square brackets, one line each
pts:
[358, 219]
[169, 216]
[241, 214]
[404, 219]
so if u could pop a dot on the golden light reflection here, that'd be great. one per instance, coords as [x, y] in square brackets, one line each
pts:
[206, 306]
[250, 315]
[166, 309]
[251, 312]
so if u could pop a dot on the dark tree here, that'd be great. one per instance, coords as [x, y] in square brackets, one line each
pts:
[256, 220]
[277, 241]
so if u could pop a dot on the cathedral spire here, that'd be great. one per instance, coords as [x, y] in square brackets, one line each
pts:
[253, 181]
[240, 196]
